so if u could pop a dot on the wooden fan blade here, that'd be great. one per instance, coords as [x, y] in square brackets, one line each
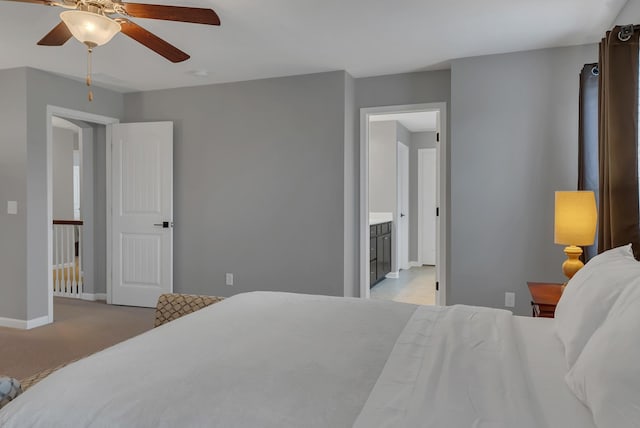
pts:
[172, 13]
[56, 37]
[152, 41]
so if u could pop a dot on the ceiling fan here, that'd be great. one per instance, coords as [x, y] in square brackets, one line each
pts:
[96, 22]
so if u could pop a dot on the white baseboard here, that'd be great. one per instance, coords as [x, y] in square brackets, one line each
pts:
[418, 264]
[94, 296]
[13, 323]
[37, 322]
[393, 275]
[24, 324]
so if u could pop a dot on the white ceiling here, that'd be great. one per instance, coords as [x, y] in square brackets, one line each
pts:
[260, 39]
[422, 121]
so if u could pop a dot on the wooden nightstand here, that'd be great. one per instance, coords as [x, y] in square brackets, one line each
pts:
[544, 298]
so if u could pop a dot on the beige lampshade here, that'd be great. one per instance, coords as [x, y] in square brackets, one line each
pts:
[576, 217]
[90, 28]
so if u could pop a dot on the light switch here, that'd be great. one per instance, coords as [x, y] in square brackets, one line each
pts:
[12, 207]
[510, 300]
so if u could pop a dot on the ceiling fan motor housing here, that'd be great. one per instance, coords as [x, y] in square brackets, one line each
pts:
[103, 7]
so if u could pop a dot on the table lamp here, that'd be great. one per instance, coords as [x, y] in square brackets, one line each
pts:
[575, 225]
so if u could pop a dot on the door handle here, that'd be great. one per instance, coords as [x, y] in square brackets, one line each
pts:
[164, 224]
[402, 215]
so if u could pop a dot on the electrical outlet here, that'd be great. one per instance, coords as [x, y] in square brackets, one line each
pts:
[510, 300]
[229, 279]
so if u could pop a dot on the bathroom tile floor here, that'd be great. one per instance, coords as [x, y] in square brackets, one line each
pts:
[416, 285]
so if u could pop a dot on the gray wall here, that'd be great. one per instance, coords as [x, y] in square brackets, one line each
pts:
[403, 135]
[13, 187]
[514, 142]
[196, 111]
[266, 174]
[382, 167]
[62, 171]
[47, 89]
[399, 89]
[351, 192]
[419, 140]
[259, 182]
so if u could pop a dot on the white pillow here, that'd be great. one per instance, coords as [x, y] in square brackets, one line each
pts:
[589, 295]
[623, 252]
[606, 376]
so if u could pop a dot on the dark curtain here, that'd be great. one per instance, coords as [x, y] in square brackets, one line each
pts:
[618, 141]
[588, 140]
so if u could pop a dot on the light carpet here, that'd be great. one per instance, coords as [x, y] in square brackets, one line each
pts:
[80, 328]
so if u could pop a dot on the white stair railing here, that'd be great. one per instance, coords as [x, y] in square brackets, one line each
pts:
[67, 258]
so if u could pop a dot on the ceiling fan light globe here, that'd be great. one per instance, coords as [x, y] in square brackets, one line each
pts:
[89, 28]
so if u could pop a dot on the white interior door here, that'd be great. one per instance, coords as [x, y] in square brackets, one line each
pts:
[142, 213]
[427, 184]
[403, 206]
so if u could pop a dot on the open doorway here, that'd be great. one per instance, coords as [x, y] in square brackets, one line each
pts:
[68, 164]
[78, 191]
[403, 174]
[77, 205]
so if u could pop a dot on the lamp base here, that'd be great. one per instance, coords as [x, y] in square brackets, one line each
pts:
[573, 263]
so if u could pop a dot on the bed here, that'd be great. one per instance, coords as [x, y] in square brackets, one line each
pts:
[266, 359]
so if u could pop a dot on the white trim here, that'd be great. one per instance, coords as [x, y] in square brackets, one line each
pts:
[24, 325]
[441, 270]
[420, 178]
[108, 147]
[365, 234]
[92, 297]
[393, 275]
[414, 264]
[85, 117]
[14, 323]
[37, 322]
[441, 203]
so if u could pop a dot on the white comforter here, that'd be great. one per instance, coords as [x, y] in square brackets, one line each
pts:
[454, 367]
[286, 360]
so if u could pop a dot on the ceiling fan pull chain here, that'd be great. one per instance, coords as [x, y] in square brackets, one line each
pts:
[89, 52]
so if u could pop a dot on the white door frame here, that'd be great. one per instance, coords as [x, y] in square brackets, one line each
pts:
[90, 118]
[441, 200]
[400, 238]
[420, 203]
